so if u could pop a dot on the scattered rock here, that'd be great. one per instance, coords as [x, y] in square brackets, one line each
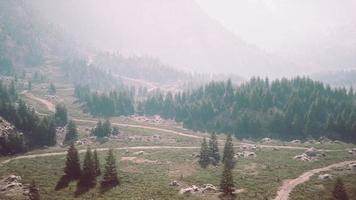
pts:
[312, 152]
[352, 166]
[139, 153]
[266, 140]
[186, 191]
[325, 176]
[276, 149]
[296, 142]
[12, 187]
[303, 157]
[209, 188]
[174, 183]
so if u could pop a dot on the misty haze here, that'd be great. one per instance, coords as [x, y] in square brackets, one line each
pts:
[177, 99]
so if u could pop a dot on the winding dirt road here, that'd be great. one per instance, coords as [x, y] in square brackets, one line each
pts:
[50, 106]
[100, 149]
[289, 185]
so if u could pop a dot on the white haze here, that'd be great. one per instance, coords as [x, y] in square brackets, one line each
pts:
[246, 37]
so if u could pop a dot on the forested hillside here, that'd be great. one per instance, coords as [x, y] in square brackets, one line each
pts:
[37, 131]
[26, 39]
[144, 68]
[298, 108]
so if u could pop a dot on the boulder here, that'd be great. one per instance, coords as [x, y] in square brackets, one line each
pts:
[249, 154]
[195, 188]
[139, 153]
[174, 183]
[266, 140]
[209, 188]
[312, 152]
[302, 157]
[352, 166]
[325, 176]
[296, 141]
[186, 191]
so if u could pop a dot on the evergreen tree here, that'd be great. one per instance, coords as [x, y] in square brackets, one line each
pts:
[110, 178]
[227, 182]
[61, 115]
[339, 192]
[96, 164]
[72, 168]
[29, 85]
[52, 89]
[72, 133]
[106, 128]
[88, 177]
[214, 149]
[34, 193]
[228, 156]
[204, 159]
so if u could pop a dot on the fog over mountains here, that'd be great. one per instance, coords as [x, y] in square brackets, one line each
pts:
[252, 38]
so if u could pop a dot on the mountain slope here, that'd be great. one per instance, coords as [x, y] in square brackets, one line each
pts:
[176, 31]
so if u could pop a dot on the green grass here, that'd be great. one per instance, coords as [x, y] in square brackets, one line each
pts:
[260, 177]
[322, 189]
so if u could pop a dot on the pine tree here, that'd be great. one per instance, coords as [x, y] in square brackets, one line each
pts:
[110, 178]
[214, 149]
[96, 164]
[227, 182]
[61, 115]
[106, 128]
[72, 168]
[204, 159]
[339, 192]
[34, 193]
[72, 133]
[52, 89]
[88, 177]
[229, 152]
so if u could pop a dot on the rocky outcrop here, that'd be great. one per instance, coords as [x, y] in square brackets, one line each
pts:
[11, 187]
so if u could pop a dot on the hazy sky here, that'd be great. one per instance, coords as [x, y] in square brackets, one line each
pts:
[264, 37]
[272, 23]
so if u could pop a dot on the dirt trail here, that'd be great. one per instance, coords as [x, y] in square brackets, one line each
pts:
[50, 106]
[100, 149]
[289, 185]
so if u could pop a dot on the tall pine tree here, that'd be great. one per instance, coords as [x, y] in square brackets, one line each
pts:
[229, 152]
[72, 168]
[214, 149]
[110, 178]
[339, 192]
[204, 159]
[96, 163]
[72, 133]
[227, 182]
[88, 177]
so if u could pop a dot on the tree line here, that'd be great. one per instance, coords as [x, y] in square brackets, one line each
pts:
[114, 103]
[297, 108]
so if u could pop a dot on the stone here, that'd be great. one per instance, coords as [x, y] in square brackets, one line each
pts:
[174, 183]
[296, 141]
[209, 188]
[139, 153]
[186, 191]
[266, 140]
[325, 176]
[312, 152]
